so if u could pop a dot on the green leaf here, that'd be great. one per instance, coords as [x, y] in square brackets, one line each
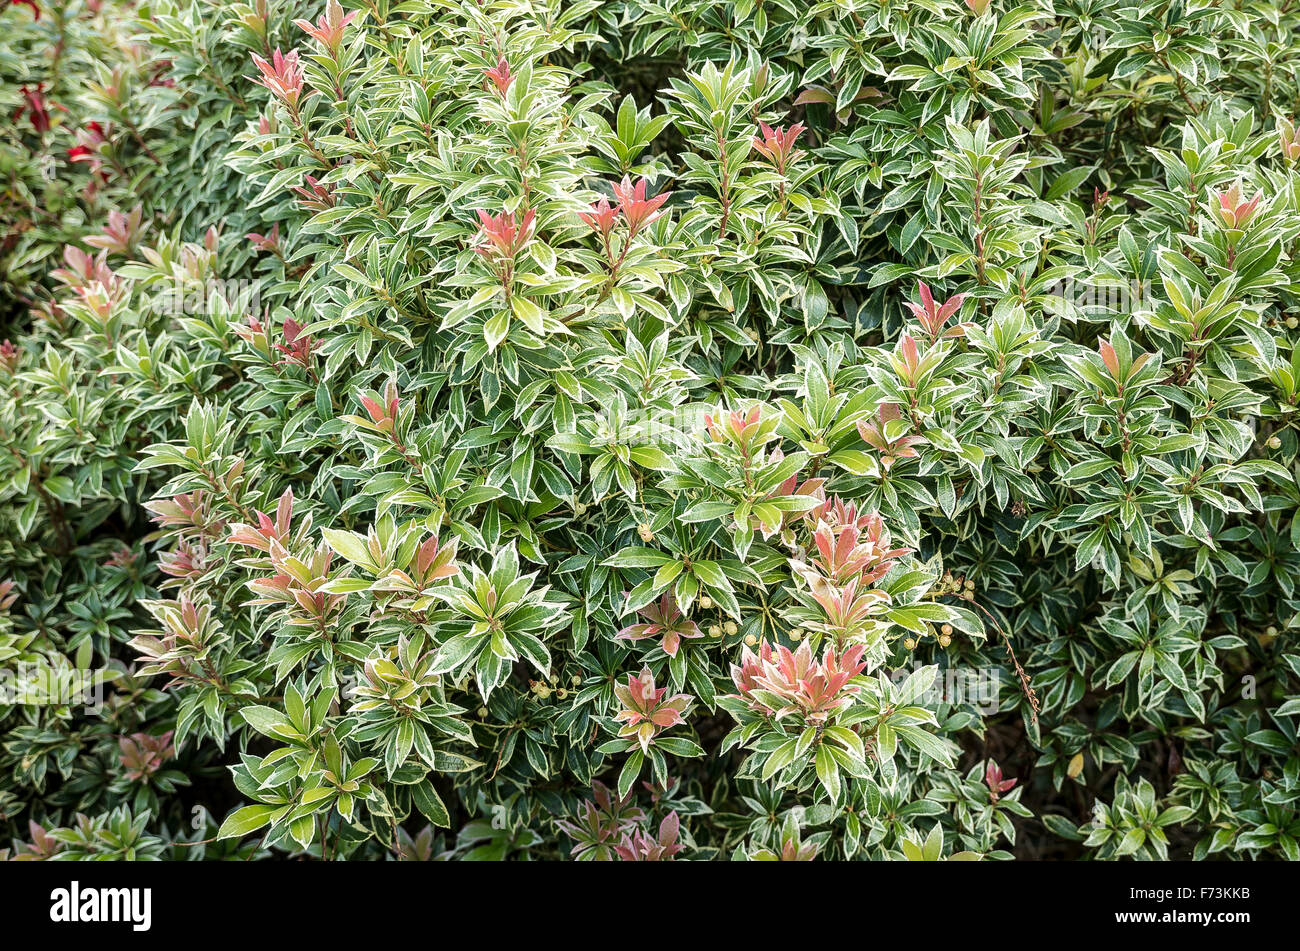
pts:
[348, 545]
[248, 819]
[430, 804]
[267, 721]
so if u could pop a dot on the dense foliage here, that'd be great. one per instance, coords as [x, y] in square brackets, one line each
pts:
[649, 429]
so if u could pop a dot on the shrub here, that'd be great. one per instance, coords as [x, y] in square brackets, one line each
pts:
[649, 430]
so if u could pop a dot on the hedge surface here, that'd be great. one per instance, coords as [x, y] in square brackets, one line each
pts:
[684, 429]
